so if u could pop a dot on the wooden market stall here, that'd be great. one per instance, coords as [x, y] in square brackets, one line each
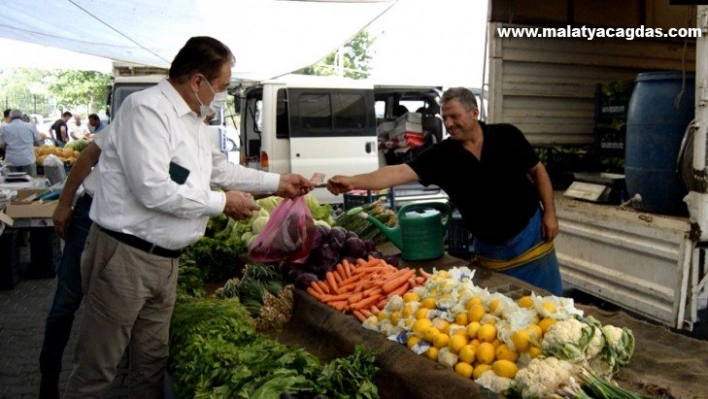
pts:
[664, 364]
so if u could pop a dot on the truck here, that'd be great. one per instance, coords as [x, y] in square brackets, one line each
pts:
[333, 125]
[648, 263]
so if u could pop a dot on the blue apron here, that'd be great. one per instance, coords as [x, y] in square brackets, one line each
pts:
[541, 270]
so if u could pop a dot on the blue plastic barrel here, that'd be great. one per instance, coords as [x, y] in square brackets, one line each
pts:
[657, 118]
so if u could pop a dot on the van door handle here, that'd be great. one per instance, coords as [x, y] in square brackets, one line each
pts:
[369, 146]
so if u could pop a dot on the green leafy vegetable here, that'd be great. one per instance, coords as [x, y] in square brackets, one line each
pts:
[216, 353]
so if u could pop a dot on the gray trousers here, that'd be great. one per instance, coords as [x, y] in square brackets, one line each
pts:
[129, 298]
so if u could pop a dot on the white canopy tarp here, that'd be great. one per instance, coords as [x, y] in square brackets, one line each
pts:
[268, 37]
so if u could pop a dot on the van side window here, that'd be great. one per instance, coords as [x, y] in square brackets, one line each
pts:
[349, 111]
[282, 124]
[315, 111]
[331, 112]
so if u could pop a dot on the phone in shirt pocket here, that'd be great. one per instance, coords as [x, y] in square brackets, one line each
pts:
[178, 173]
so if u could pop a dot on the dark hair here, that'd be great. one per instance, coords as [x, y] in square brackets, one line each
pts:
[67, 113]
[201, 54]
[399, 110]
[7, 112]
[94, 117]
[464, 96]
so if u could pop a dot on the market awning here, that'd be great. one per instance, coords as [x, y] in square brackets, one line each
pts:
[268, 37]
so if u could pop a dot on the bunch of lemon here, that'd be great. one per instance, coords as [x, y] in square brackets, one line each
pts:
[468, 334]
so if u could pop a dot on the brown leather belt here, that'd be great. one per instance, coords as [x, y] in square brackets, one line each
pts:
[142, 245]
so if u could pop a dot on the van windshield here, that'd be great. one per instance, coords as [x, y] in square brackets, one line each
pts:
[122, 91]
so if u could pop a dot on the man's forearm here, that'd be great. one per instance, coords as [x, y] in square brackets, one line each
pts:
[78, 173]
[385, 177]
[545, 188]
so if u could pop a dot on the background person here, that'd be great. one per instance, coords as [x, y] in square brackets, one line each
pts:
[153, 198]
[78, 130]
[484, 169]
[60, 131]
[95, 123]
[18, 139]
[72, 223]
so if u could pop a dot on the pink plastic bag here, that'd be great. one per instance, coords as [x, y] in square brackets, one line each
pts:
[287, 235]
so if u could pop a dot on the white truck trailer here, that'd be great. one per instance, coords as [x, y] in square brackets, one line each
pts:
[648, 263]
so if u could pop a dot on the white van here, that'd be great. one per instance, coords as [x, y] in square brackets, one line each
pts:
[306, 124]
[123, 86]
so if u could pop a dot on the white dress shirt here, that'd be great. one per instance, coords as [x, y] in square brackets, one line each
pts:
[135, 194]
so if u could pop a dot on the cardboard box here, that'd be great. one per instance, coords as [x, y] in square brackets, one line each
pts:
[24, 207]
[386, 127]
[413, 117]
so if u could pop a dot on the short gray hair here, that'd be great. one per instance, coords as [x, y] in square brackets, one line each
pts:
[461, 94]
[15, 114]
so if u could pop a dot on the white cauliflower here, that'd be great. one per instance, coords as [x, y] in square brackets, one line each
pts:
[543, 377]
[371, 323]
[596, 344]
[569, 339]
[619, 348]
[395, 303]
[447, 358]
[613, 334]
[494, 382]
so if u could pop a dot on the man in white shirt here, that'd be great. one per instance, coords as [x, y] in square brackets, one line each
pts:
[153, 198]
[78, 130]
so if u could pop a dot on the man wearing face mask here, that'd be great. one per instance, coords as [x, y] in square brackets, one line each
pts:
[153, 198]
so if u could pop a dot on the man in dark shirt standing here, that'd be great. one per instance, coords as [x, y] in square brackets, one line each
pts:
[484, 169]
[60, 130]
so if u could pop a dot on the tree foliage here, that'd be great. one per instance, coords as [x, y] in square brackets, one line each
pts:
[24, 89]
[75, 88]
[42, 91]
[351, 60]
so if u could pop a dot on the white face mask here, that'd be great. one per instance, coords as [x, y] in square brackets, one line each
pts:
[217, 103]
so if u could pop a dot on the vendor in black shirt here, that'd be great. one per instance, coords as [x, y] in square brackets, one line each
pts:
[495, 179]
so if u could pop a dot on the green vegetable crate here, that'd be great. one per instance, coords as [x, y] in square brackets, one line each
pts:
[356, 198]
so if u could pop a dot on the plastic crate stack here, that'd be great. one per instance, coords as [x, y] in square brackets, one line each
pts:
[357, 198]
[458, 239]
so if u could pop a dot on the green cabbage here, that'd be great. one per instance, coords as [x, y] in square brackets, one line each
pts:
[269, 203]
[259, 224]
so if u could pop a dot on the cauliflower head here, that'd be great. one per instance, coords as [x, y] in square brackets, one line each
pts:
[494, 382]
[569, 339]
[543, 377]
[619, 346]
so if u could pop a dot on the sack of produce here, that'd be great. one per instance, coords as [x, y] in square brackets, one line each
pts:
[287, 235]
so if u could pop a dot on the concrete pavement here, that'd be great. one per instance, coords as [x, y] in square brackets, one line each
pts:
[23, 311]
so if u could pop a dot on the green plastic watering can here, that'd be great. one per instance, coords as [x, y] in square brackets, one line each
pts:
[420, 231]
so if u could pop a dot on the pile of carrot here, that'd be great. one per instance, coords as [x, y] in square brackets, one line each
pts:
[365, 286]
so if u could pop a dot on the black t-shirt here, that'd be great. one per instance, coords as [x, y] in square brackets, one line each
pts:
[57, 129]
[495, 196]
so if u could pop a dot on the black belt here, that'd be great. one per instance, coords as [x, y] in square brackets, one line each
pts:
[142, 245]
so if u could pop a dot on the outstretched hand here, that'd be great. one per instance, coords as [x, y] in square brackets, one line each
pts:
[339, 185]
[293, 185]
